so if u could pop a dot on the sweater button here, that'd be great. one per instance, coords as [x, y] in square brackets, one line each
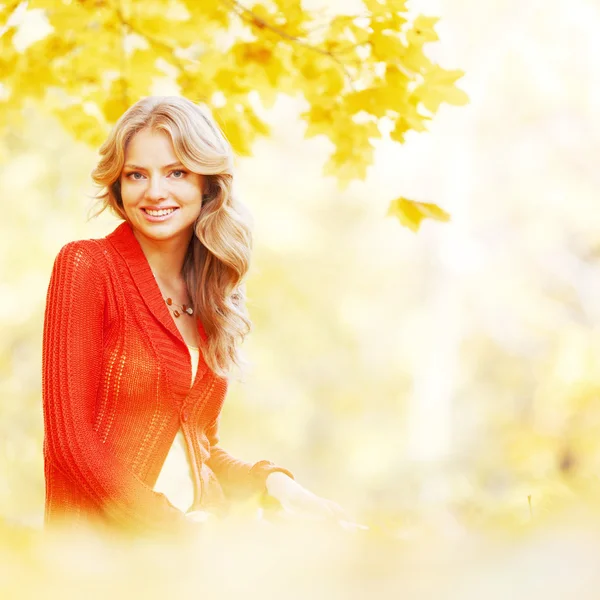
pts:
[185, 415]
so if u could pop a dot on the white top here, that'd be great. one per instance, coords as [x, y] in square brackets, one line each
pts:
[175, 478]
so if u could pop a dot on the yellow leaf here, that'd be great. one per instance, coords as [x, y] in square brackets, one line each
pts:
[411, 213]
[347, 167]
[386, 46]
[196, 87]
[354, 153]
[83, 126]
[117, 100]
[408, 118]
[439, 87]
[141, 70]
[377, 6]
[240, 124]
[414, 59]
[320, 116]
[422, 31]
[8, 54]
[214, 13]
[400, 128]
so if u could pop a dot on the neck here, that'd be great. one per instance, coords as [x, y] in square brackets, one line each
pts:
[165, 257]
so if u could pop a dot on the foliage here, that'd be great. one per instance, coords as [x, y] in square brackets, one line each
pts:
[411, 214]
[363, 76]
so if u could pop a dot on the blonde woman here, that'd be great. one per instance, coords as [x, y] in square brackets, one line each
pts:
[141, 333]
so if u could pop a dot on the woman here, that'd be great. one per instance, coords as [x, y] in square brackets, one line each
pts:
[141, 332]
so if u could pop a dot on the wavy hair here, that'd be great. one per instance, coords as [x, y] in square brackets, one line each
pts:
[218, 256]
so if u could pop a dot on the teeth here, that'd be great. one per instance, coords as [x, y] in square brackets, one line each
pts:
[159, 213]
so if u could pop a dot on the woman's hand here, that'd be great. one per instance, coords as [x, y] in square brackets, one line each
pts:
[199, 516]
[298, 501]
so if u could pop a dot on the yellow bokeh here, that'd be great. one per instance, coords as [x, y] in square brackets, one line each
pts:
[441, 384]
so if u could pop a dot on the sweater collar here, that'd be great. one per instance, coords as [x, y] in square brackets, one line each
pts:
[127, 245]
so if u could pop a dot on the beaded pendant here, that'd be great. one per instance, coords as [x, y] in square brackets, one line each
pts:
[184, 307]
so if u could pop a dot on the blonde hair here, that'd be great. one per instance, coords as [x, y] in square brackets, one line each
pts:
[218, 256]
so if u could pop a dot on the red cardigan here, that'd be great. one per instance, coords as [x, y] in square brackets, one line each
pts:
[115, 385]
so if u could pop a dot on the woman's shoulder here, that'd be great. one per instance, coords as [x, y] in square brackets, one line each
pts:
[94, 247]
[88, 255]
[79, 249]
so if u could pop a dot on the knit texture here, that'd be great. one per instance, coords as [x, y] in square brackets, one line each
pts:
[116, 388]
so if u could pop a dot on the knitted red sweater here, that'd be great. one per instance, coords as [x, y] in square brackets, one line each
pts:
[115, 384]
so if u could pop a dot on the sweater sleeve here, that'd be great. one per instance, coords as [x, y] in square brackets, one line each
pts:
[238, 478]
[71, 373]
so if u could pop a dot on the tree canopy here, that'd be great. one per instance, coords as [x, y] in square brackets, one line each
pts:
[363, 76]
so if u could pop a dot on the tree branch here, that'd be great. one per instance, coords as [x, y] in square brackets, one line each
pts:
[250, 16]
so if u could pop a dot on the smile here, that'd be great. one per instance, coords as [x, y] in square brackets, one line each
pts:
[162, 212]
[158, 215]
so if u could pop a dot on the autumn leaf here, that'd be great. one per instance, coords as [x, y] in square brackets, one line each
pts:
[422, 31]
[440, 87]
[411, 213]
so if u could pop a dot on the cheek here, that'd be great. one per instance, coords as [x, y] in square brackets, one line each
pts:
[130, 192]
[191, 190]
[197, 181]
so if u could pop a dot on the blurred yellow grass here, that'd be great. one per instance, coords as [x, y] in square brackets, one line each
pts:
[307, 560]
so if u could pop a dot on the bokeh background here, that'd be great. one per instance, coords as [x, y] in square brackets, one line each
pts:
[443, 385]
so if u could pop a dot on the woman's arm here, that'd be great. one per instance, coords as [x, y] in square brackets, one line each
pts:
[298, 501]
[71, 374]
[237, 477]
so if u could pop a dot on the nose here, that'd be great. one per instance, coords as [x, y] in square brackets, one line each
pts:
[156, 189]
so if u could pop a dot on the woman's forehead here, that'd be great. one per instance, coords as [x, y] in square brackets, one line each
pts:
[151, 146]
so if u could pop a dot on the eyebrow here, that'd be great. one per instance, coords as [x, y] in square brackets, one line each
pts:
[175, 164]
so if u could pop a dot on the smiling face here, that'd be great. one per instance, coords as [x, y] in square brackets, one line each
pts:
[161, 198]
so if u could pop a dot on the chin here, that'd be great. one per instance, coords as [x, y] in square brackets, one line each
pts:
[164, 231]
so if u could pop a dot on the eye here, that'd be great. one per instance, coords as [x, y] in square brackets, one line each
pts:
[178, 174]
[134, 175]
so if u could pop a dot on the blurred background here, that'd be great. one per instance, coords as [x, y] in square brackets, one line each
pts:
[441, 385]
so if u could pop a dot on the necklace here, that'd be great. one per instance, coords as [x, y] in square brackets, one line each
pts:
[184, 307]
